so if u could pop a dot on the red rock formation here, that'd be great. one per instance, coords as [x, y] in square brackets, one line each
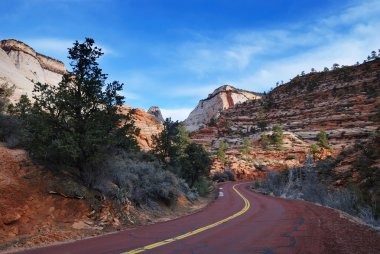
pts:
[342, 102]
[222, 98]
[148, 124]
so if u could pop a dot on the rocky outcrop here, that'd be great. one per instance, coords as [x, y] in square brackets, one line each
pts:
[223, 98]
[21, 66]
[343, 102]
[148, 124]
[154, 110]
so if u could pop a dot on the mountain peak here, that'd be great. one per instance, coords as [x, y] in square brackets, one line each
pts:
[156, 112]
[222, 98]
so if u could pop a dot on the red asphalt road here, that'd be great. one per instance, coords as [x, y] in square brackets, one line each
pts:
[270, 226]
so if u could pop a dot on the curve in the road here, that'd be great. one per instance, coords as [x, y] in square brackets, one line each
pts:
[197, 231]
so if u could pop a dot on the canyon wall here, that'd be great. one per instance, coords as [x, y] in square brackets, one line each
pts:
[21, 66]
[343, 102]
[221, 99]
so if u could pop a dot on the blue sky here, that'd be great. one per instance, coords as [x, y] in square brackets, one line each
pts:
[171, 53]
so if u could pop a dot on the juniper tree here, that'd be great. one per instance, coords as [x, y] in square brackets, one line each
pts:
[76, 121]
[323, 140]
[195, 164]
[166, 143]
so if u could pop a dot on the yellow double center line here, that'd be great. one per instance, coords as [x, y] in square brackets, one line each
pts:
[197, 231]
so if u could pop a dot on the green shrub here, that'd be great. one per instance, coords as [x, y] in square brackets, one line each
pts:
[323, 140]
[230, 175]
[203, 186]
[126, 177]
[290, 157]
[219, 177]
[277, 136]
[264, 141]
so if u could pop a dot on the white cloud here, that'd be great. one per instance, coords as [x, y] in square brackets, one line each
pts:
[179, 114]
[50, 46]
[257, 59]
[355, 13]
[130, 96]
[191, 91]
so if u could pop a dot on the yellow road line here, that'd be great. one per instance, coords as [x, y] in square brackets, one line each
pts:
[197, 231]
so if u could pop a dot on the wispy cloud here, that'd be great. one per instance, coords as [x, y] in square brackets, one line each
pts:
[257, 59]
[191, 91]
[58, 48]
[179, 114]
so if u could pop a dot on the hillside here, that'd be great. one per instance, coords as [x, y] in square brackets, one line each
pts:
[342, 102]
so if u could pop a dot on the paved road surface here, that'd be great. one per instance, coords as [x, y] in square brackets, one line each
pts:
[239, 221]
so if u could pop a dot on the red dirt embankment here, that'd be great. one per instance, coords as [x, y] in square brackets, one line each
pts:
[29, 215]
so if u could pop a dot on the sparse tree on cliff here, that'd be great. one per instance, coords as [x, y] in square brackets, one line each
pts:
[264, 141]
[262, 123]
[323, 140]
[5, 92]
[277, 135]
[246, 146]
[76, 121]
[221, 154]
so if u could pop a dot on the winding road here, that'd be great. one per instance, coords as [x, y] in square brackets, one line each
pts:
[239, 221]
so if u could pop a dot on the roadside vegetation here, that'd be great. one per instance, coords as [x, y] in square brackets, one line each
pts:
[314, 182]
[77, 130]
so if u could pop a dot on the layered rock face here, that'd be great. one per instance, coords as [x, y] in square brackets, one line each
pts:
[21, 65]
[148, 124]
[154, 110]
[343, 102]
[221, 99]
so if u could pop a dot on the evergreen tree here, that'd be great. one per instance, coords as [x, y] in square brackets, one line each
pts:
[76, 121]
[264, 140]
[277, 135]
[183, 137]
[323, 140]
[262, 123]
[195, 164]
[221, 154]
[5, 92]
[246, 146]
[166, 143]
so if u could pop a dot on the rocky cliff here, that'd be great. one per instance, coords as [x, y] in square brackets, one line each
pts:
[343, 102]
[148, 124]
[221, 99]
[154, 110]
[21, 65]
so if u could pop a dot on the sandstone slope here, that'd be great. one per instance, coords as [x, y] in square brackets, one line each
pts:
[148, 124]
[343, 102]
[21, 65]
[221, 99]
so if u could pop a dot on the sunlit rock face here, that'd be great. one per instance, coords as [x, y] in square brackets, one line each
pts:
[222, 98]
[21, 66]
[148, 124]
